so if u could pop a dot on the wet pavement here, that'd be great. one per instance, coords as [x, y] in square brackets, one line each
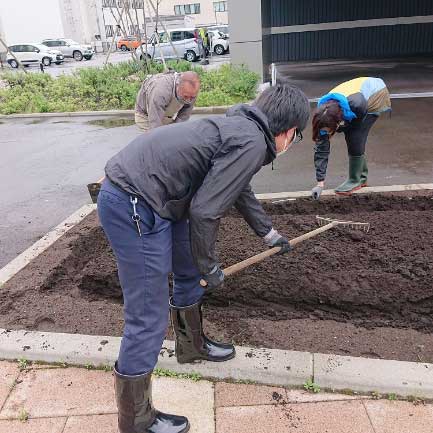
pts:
[408, 75]
[47, 163]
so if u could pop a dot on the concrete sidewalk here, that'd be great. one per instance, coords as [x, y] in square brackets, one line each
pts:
[48, 399]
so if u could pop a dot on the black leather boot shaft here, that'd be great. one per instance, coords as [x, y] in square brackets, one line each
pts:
[191, 343]
[136, 413]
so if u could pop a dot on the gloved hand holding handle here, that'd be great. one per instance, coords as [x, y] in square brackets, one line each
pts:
[213, 279]
[274, 239]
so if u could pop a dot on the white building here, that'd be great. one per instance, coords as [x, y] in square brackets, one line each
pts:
[94, 21]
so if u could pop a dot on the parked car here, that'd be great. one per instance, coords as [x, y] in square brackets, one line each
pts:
[37, 54]
[70, 48]
[128, 43]
[220, 28]
[184, 40]
[219, 41]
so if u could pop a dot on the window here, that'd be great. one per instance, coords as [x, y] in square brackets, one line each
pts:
[134, 29]
[108, 3]
[137, 4]
[60, 43]
[119, 30]
[109, 31]
[193, 8]
[163, 38]
[220, 6]
[176, 36]
[15, 48]
[188, 35]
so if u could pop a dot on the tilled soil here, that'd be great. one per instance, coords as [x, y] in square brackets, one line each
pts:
[344, 292]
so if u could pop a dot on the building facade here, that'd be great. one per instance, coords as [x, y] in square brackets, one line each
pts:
[95, 21]
[293, 30]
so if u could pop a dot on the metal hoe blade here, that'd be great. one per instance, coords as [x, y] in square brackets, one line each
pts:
[322, 221]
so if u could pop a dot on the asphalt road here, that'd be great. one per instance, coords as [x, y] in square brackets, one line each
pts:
[46, 165]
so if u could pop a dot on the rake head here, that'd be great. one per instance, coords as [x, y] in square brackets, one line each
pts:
[350, 224]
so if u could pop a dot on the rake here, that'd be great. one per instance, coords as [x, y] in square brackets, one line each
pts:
[325, 225]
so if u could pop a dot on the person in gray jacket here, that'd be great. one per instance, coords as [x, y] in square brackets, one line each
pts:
[166, 98]
[160, 207]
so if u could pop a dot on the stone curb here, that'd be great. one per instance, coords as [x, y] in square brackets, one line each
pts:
[259, 365]
[109, 113]
[216, 109]
[283, 196]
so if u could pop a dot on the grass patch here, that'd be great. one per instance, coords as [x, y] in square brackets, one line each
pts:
[115, 87]
[161, 372]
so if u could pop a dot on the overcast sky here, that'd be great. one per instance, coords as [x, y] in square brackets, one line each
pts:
[30, 20]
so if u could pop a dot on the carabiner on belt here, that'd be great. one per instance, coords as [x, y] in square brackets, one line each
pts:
[135, 216]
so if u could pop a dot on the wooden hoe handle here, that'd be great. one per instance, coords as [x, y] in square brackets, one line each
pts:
[233, 269]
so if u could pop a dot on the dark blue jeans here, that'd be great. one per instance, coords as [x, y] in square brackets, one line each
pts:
[143, 264]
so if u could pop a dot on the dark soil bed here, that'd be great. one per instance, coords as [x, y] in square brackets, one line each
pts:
[344, 292]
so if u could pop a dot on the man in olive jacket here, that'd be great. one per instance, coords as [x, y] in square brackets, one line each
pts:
[160, 207]
[166, 98]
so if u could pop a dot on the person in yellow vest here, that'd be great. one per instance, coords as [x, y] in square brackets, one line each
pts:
[351, 108]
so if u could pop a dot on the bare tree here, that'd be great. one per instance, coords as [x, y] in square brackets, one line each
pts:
[114, 38]
[156, 10]
[157, 35]
[12, 54]
[123, 27]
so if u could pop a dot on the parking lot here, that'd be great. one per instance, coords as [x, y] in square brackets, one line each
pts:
[98, 60]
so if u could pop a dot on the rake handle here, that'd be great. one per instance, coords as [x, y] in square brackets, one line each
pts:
[233, 269]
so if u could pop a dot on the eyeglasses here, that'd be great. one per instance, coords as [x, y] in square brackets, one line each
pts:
[298, 137]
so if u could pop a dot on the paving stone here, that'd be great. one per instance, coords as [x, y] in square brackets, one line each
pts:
[366, 375]
[231, 394]
[332, 417]
[92, 424]
[61, 392]
[46, 425]
[252, 419]
[195, 400]
[400, 417]
[8, 373]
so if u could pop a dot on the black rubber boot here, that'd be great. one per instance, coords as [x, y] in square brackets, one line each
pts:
[136, 413]
[353, 182]
[364, 173]
[191, 343]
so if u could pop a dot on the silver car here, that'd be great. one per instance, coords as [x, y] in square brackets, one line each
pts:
[70, 48]
[184, 41]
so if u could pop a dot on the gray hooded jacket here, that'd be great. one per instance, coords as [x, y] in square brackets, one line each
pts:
[200, 169]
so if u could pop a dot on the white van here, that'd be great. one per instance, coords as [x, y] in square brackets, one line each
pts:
[183, 39]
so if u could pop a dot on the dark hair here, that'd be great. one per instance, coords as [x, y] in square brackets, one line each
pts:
[328, 115]
[285, 106]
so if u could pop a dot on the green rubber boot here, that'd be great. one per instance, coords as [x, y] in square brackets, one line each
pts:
[353, 182]
[364, 174]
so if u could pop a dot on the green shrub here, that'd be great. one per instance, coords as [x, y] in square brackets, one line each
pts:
[115, 87]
